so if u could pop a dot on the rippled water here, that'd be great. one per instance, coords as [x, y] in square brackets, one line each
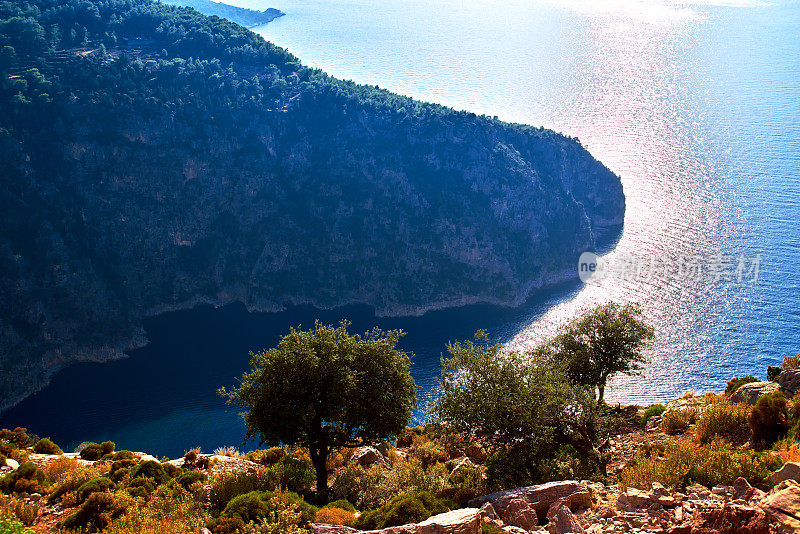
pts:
[696, 105]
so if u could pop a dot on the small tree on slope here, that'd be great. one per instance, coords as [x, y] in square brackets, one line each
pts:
[326, 388]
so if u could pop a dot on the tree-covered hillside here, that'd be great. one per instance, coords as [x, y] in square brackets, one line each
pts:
[152, 158]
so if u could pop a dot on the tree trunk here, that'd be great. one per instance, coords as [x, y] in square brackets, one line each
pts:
[318, 450]
[600, 391]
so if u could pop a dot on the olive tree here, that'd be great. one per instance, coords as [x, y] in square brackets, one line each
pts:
[602, 342]
[325, 388]
[521, 405]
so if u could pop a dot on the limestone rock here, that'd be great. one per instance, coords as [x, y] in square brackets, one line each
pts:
[540, 496]
[487, 511]
[520, 513]
[789, 382]
[13, 464]
[789, 471]
[782, 505]
[750, 393]
[730, 519]
[560, 519]
[367, 456]
[462, 521]
[633, 498]
[743, 490]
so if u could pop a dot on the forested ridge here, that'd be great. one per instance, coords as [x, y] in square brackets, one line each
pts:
[152, 158]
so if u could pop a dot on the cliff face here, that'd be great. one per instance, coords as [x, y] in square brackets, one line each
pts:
[150, 185]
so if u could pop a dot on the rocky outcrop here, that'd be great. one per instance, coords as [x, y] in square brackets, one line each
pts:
[560, 519]
[750, 392]
[540, 497]
[782, 505]
[367, 456]
[789, 471]
[519, 513]
[789, 382]
[311, 191]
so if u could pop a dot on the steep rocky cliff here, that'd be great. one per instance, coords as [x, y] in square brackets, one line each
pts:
[137, 178]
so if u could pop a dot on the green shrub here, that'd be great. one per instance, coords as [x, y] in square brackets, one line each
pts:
[677, 421]
[2, 459]
[652, 411]
[27, 478]
[122, 455]
[256, 505]
[11, 526]
[95, 485]
[226, 486]
[770, 420]
[736, 383]
[19, 437]
[296, 474]
[45, 446]
[488, 528]
[187, 478]
[428, 453]
[120, 468]
[152, 470]
[402, 509]
[406, 438]
[141, 487]
[725, 420]
[341, 504]
[91, 452]
[96, 513]
[227, 525]
[682, 463]
[789, 362]
[773, 372]
[267, 457]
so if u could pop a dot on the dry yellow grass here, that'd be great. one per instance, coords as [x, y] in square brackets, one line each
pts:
[335, 516]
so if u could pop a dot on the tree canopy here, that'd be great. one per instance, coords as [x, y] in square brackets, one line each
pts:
[325, 388]
[524, 407]
[604, 341]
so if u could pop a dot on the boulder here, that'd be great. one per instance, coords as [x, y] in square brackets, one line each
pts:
[729, 519]
[520, 513]
[560, 519]
[632, 499]
[789, 471]
[13, 464]
[743, 490]
[782, 505]
[367, 456]
[749, 393]
[789, 382]
[540, 496]
[487, 511]
[462, 521]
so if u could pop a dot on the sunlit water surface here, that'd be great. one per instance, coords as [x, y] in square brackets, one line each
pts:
[696, 105]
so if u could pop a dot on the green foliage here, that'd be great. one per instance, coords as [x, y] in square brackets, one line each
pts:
[257, 505]
[11, 526]
[604, 341]
[402, 509]
[266, 457]
[45, 446]
[342, 504]
[122, 455]
[96, 513]
[736, 383]
[652, 411]
[95, 485]
[770, 418]
[150, 469]
[187, 478]
[791, 362]
[682, 464]
[295, 474]
[27, 478]
[97, 451]
[226, 486]
[488, 528]
[773, 372]
[326, 388]
[18, 437]
[724, 420]
[677, 421]
[522, 405]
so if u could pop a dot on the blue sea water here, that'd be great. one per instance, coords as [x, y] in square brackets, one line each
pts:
[695, 104]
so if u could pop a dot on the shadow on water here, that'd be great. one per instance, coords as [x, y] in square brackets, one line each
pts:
[162, 399]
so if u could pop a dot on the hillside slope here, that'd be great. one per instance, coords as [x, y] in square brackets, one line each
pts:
[152, 158]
